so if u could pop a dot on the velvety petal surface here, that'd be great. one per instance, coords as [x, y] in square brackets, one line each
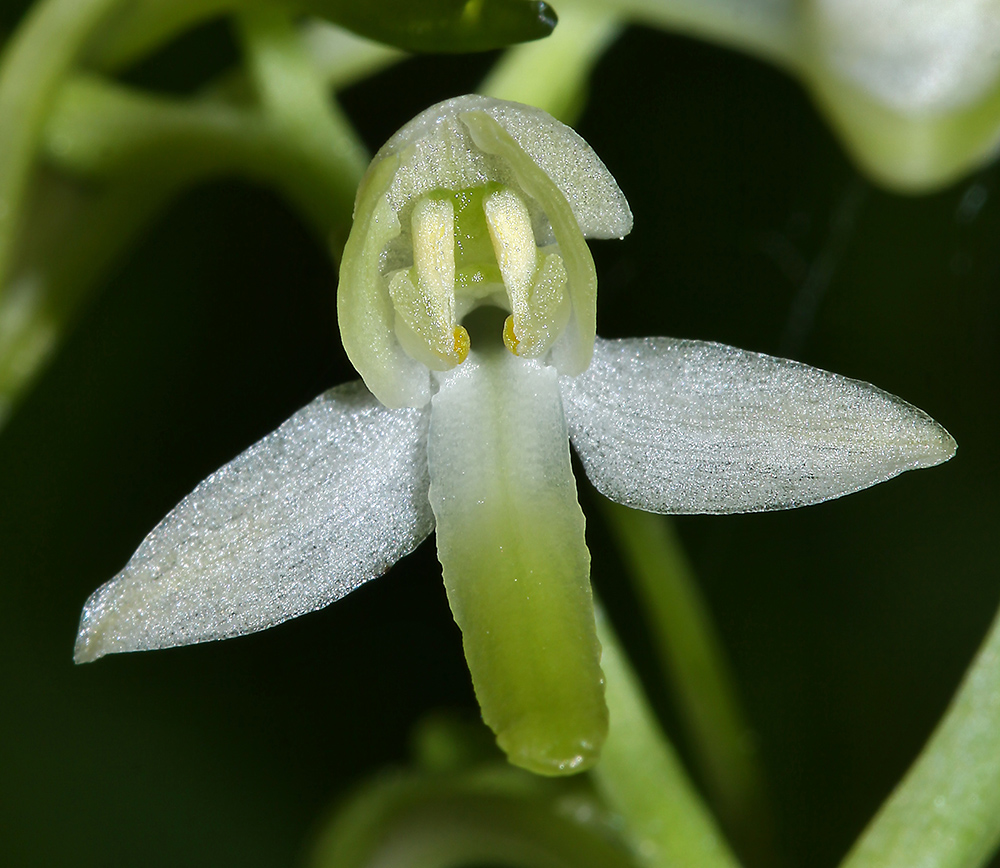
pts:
[510, 536]
[329, 500]
[675, 426]
[434, 145]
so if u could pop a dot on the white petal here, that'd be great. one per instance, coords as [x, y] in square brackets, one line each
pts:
[329, 500]
[677, 426]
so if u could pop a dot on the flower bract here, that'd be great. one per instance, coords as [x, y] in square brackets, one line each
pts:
[463, 424]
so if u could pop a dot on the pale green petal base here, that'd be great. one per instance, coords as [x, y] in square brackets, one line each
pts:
[510, 536]
[913, 152]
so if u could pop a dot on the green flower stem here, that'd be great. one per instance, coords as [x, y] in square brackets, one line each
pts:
[295, 100]
[946, 811]
[641, 777]
[693, 657]
[340, 58]
[298, 141]
[145, 25]
[57, 275]
[99, 128]
[145, 149]
[552, 73]
[34, 62]
[107, 131]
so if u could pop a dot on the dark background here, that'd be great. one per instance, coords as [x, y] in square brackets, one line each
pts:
[849, 624]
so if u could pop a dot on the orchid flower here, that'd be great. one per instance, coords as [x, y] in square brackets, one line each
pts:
[467, 302]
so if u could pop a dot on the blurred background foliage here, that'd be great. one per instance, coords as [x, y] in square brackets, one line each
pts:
[849, 624]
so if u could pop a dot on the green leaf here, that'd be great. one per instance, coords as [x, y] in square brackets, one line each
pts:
[946, 811]
[441, 25]
[429, 26]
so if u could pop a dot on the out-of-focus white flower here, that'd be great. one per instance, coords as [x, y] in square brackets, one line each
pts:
[912, 86]
[914, 56]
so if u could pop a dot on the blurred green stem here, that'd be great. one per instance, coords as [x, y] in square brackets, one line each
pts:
[34, 61]
[109, 132]
[694, 660]
[946, 811]
[641, 777]
[137, 151]
[340, 58]
[300, 141]
[296, 102]
[552, 73]
[145, 25]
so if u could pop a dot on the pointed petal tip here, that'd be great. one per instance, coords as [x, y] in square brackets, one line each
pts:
[98, 622]
[84, 655]
[920, 442]
[86, 650]
[941, 446]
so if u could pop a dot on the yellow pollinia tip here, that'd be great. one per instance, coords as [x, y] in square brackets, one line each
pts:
[462, 343]
[509, 336]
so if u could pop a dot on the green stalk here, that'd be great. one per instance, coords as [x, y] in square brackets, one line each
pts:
[144, 149]
[145, 25]
[641, 777]
[553, 73]
[107, 131]
[100, 129]
[694, 660]
[34, 63]
[340, 58]
[57, 274]
[295, 100]
[946, 811]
